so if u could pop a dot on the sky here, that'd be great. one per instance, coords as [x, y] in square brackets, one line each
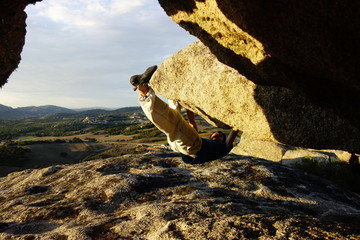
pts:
[81, 53]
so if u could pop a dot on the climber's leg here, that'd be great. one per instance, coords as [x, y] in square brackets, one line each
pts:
[180, 135]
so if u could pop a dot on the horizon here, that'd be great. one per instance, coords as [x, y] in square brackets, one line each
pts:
[73, 61]
[89, 108]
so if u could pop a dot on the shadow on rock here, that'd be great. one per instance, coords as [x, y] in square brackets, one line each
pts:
[27, 228]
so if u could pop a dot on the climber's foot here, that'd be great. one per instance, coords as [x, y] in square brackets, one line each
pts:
[143, 79]
[146, 76]
[134, 80]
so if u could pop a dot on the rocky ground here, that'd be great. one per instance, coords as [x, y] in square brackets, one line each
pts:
[156, 196]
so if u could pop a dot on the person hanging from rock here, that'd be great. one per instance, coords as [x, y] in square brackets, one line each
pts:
[182, 136]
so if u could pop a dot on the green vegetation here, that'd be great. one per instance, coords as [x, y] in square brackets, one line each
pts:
[19, 137]
[112, 123]
[11, 129]
[68, 138]
[338, 172]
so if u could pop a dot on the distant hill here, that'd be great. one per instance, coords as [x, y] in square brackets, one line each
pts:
[8, 113]
[44, 110]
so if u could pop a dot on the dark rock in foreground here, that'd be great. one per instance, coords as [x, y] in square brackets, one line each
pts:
[156, 196]
[13, 30]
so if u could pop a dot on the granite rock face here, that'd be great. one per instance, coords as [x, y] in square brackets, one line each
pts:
[287, 154]
[309, 47]
[224, 97]
[157, 196]
[12, 35]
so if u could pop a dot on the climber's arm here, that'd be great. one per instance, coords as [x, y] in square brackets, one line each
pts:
[230, 139]
[191, 119]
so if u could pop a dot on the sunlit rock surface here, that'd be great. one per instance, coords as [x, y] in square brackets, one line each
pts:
[156, 196]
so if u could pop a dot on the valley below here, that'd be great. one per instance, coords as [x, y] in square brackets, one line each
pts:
[55, 139]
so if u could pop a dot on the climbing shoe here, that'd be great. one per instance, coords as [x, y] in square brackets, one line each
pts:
[143, 78]
[134, 80]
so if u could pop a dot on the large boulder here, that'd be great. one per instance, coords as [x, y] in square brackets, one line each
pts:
[224, 97]
[287, 154]
[308, 46]
[12, 32]
[157, 196]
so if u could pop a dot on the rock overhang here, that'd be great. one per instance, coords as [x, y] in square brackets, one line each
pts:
[305, 46]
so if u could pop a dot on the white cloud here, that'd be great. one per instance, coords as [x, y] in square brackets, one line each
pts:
[81, 54]
[119, 7]
[87, 13]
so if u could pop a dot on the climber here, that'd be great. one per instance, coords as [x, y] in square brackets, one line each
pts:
[182, 136]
